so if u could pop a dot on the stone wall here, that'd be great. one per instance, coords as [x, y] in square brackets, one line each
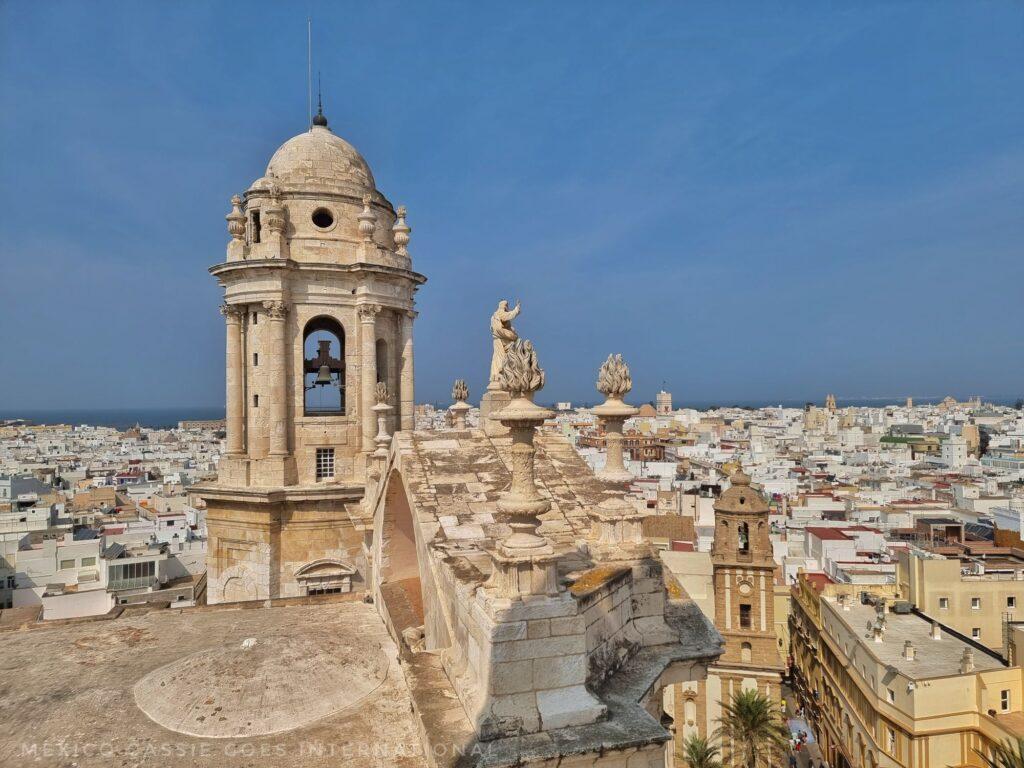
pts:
[619, 604]
[255, 549]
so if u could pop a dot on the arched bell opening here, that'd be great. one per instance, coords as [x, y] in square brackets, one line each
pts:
[323, 367]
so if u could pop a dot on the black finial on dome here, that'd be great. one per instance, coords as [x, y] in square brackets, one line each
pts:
[319, 119]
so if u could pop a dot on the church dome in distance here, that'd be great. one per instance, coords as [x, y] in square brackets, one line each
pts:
[320, 161]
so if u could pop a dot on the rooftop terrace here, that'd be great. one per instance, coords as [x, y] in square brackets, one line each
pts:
[311, 685]
[934, 658]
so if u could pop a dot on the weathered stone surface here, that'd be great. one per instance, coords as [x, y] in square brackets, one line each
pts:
[564, 707]
[102, 660]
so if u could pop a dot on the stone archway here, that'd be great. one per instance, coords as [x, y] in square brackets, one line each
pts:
[398, 561]
[397, 571]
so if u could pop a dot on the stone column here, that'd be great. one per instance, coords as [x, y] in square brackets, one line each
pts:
[405, 389]
[368, 371]
[234, 374]
[277, 313]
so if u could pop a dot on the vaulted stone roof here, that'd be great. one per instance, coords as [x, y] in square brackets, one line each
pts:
[457, 477]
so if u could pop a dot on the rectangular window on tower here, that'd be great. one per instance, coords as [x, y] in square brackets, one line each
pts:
[255, 401]
[744, 616]
[255, 359]
[255, 226]
[324, 463]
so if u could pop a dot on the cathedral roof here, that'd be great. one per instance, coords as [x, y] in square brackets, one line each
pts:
[320, 161]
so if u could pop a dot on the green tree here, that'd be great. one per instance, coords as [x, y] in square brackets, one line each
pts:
[1005, 754]
[752, 729]
[698, 752]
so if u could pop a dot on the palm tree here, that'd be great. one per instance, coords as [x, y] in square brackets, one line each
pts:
[699, 753]
[1005, 754]
[751, 727]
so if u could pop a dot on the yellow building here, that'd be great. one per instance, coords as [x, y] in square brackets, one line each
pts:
[972, 593]
[888, 689]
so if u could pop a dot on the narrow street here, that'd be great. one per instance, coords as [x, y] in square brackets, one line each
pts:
[809, 755]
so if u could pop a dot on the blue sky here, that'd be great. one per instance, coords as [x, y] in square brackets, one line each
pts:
[748, 200]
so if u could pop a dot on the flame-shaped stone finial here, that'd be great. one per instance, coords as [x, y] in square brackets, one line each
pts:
[521, 374]
[613, 380]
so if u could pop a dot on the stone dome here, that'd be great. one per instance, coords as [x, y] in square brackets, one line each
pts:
[740, 497]
[319, 161]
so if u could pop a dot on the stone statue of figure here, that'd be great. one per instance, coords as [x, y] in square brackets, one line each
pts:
[503, 334]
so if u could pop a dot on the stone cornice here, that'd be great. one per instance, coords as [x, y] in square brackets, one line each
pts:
[377, 199]
[230, 267]
[258, 495]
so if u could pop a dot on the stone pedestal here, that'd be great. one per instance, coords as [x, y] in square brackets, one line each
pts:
[492, 402]
[459, 411]
[516, 575]
[614, 413]
[616, 531]
[530, 673]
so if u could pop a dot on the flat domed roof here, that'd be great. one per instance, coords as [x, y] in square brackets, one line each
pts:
[319, 161]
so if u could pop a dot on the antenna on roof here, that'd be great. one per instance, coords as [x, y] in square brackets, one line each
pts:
[319, 119]
[309, 69]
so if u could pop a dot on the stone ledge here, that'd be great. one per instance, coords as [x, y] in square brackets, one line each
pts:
[279, 494]
[357, 267]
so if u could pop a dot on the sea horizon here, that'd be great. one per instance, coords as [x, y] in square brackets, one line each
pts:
[118, 418]
[167, 417]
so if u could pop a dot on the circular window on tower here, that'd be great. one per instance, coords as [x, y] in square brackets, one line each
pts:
[323, 218]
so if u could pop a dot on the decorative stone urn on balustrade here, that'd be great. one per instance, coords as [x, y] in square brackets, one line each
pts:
[460, 393]
[382, 439]
[614, 382]
[524, 561]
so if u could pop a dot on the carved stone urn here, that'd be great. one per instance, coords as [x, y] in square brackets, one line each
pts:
[383, 439]
[521, 377]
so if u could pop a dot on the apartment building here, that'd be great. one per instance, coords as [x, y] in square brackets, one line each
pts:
[972, 591]
[884, 687]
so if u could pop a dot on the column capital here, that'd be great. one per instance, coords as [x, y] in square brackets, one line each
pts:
[277, 310]
[410, 314]
[232, 312]
[368, 312]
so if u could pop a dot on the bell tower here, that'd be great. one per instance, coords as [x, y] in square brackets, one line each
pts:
[319, 309]
[743, 575]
